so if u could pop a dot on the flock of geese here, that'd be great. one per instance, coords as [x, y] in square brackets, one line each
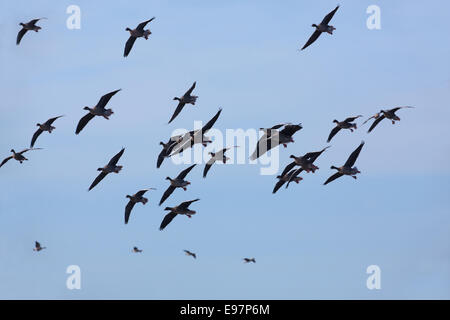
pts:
[280, 134]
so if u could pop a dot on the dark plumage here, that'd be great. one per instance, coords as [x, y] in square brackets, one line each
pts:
[46, 126]
[322, 27]
[346, 124]
[110, 167]
[182, 208]
[388, 114]
[347, 168]
[17, 156]
[139, 32]
[137, 197]
[178, 182]
[187, 98]
[188, 253]
[29, 26]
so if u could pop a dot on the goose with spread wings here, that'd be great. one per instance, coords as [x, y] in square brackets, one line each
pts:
[29, 26]
[99, 110]
[347, 168]
[46, 126]
[17, 156]
[187, 98]
[216, 156]
[189, 253]
[346, 124]
[110, 167]
[385, 114]
[182, 209]
[178, 182]
[137, 250]
[167, 148]
[248, 260]
[139, 32]
[322, 27]
[38, 247]
[282, 179]
[135, 198]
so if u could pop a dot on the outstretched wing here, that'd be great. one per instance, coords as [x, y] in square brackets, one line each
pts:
[288, 168]
[97, 180]
[116, 158]
[211, 122]
[51, 120]
[167, 219]
[184, 173]
[293, 175]
[105, 99]
[311, 39]
[128, 45]
[20, 35]
[351, 119]
[290, 129]
[83, 122]
[35, 136]
[312, 156]
[329, 16]
[143, 24]
[186, 204]
[208, 166]
[189, 92]
[333, 133]
[278, 185]
[333, 177]
[375, 123]
[177, 111]
[128, 209]
[5, 161]
[166, 194]
[352, 159]
[140, 193]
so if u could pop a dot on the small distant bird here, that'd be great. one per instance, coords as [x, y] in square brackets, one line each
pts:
[98, 110]
[247, 260]
[46, 126]
[29, 26]
[346, 124]
[182, 208]
[139, 32]
[137, 197]
[388, 114]
[136, 250]
[347, 168]
[17, 156]
[187, 98]
[110, 167]
[178, 182]
[188, 253]
[216, 156]
[37, 246]
[322, 27]
[273, 137]
[282, 179]
[167, 148]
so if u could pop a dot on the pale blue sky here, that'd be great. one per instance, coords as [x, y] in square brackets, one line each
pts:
[310, 241]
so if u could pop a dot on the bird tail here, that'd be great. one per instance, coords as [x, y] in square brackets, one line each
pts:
[118, 168]
[144, 200]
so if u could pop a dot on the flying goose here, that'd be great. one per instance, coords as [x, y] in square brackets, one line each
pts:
[182, 208]
[196, 136]
[187, 98]
[167, 148]
[282, 179]
[136, 250]
[347, 168]
[17, 156]
[346, 124]
[388, 114]
[98, 110]
[178, 182]
[37, 247]
[29, 26]
[274, 137]
[110, 167]
[46, 126]
[139, 32]
[247, 260]
[306, 162]
[135, 198]
[216, 156]
[322, 27]
[188, 253]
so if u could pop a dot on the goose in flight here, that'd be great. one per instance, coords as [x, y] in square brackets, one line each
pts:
[110, 167]
[98, 110]
[347, 168]
[282, 179]
[38, 247]
[248, 260]
[322, 27]
[346, 124]
[139, 32]
[273, 137]
[182, 208]
[17, 156]
[188, 253]
[178, 182]
[187, 98]
[196, 136]
[135, 198]
[388, 114]
[306, 162]
[216, 156]
[46, 126]
[29, 26]
[167, 148]
[136, 250]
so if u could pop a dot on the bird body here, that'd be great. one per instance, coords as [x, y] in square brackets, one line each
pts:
[347, 169]
[46, 126]
[136, 250]
[385, 114]
[38, 247]
[18, 156]
[187, 98]
[181, 209]
[111, 167]
[248, 260]
[177, 182]
[29, 26]
[189, 253]
[321, 28]
[346, 124]
[139, 32]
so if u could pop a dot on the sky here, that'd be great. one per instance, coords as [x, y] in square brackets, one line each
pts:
[310, 241]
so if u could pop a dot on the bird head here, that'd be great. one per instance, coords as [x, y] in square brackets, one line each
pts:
[292, 156]
[176, 98]
[335, 121]
[22, 24]
[168, 178]
[127, 29]
[168, 208]
[333, 167]
[12, 150]
[314, 25]
[38, 124]
[128, 196]
[86, 108]
[99, 169]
